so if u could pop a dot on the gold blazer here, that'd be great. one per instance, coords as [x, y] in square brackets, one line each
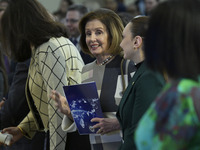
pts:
[53, 64]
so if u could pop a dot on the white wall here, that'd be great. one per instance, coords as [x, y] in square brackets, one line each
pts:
[50, 5]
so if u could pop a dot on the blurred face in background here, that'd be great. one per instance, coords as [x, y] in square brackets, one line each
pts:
[72, 21]
[111, 4]
[149, 5]
[64, 6]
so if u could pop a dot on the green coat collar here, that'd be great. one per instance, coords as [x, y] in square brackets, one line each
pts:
[140, 70]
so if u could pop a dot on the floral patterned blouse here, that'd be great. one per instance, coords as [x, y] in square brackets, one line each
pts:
[171, 122]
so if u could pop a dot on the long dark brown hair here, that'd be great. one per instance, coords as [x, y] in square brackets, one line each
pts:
[27, 23]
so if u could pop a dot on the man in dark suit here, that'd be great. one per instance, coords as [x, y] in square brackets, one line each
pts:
[73, 16]
[15, 108]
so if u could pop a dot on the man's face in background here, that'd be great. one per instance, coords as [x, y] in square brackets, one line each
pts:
[72, 22]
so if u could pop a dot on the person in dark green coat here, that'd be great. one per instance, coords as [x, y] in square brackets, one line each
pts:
[144, 86]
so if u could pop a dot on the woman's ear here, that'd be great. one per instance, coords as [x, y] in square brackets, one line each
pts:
[137, 41]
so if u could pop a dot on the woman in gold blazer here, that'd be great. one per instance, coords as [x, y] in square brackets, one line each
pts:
[54, 62]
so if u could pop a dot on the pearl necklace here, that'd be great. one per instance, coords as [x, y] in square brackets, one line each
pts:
[105, 61]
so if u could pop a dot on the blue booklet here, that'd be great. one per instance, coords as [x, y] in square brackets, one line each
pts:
[84, 105]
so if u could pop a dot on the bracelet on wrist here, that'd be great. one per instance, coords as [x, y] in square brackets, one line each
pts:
[22, 131]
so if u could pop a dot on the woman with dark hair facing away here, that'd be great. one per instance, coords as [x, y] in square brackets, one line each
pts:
[101, 34]
[28, 30]
[173, 120]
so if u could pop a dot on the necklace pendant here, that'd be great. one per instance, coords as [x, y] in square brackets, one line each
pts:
[106, 60]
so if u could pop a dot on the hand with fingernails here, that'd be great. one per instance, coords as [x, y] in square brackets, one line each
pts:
[106, 125]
